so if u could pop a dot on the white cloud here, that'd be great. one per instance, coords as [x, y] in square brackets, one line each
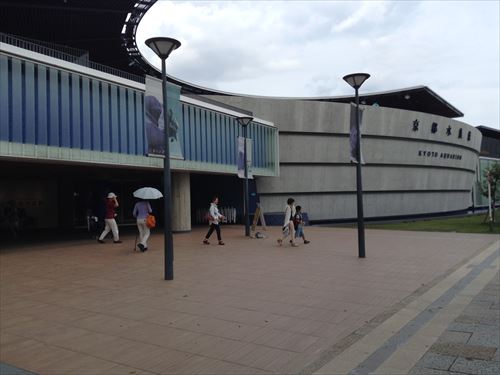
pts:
[303, 48]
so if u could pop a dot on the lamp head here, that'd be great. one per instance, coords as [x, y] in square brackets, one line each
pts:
[355, 80]
[244, 120]
[163, 46]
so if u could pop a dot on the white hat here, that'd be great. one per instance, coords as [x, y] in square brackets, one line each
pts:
[111, 195]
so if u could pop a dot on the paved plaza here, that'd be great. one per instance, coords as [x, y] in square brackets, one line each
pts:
[419, 303]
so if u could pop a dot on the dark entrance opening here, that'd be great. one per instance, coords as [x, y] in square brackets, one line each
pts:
[204, 187]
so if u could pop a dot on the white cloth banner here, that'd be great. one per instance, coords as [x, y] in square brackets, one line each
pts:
[241, 157]
[353, 134]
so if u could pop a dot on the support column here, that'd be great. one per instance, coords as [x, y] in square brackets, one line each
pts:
[181, 202]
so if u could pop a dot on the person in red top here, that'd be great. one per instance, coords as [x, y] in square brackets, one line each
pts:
[109, 219]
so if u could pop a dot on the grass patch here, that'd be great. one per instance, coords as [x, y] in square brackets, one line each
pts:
[463, 224]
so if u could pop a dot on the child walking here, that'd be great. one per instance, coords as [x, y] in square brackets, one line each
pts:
[298, 223]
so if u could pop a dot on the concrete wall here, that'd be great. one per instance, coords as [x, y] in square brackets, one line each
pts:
[407, 172]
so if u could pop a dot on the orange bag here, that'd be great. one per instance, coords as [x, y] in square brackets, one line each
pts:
[150, 221]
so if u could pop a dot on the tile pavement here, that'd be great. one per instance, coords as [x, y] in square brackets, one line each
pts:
[471, 344]
[249, 307]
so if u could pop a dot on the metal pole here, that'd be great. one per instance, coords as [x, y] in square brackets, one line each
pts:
[169, 248]
[490, 216]
[245, 190]
[359, 188]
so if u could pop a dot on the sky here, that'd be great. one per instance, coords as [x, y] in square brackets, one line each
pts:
[304, 48]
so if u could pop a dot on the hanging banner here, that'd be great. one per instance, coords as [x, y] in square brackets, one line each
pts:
[153, 118]
[240, 157]
[353, 134]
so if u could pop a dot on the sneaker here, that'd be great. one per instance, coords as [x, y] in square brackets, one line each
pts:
[306, 242]
[145, 249]
[221, 243]
[100, 241]
[280, 241]
[205, 241]
[294, 244]
[117, 241]
[140, 246]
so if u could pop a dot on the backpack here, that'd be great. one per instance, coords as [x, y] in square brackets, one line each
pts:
[297, 219]
[150, 221]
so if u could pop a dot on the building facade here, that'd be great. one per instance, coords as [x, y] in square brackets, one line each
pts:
[415, 163]
[71, 130]
[69, 134]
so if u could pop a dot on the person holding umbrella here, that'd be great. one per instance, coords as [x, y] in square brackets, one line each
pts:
[141, 211]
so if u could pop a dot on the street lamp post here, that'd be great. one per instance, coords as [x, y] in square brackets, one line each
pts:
[163, 47]
[355, 80]
[244, 122]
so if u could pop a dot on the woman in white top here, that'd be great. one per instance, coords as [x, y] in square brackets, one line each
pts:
[214, 220]
[288, 228]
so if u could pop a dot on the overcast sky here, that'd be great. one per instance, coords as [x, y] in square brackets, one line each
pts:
[304, 48]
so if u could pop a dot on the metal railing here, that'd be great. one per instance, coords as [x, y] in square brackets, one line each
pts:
[69, 54]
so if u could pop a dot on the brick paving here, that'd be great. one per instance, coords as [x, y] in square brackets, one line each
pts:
[471, 344]
[249, 307]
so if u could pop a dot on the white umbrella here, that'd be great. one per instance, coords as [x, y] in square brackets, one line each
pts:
[148, 193]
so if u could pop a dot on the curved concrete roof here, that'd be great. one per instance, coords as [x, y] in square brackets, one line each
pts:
[107, 29]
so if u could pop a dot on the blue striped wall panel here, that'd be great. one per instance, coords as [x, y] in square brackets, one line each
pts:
[42, 113]
[192, 134]
[204, 136]
[53, 105]
[95, 113]
[105, 117]
[131, 141]
[4, 98]
[113, 119]
[67, 96]
[223, 137]
[252, 136]
[85, 124]
[260, 142]
[16, 101]
[47, 106]
[29, 104]
[232, 142]
[122, 120]
[255, 145]
[198, 136]
[186, 142]
[209, 137]
[139, 121]
[267, 151]
[220, 139]
[75, 125]
[212, 155]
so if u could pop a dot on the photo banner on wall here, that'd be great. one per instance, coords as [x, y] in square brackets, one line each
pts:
[353, 134]
[154, 123]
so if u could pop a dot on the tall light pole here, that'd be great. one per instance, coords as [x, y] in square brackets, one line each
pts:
[355, 80]
[163, 47]
[244, 121]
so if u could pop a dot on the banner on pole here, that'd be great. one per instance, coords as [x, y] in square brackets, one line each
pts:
[353, 134]
[153, 118]
[240, 158]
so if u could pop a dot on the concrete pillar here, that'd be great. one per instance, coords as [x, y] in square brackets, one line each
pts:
[181, 202]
